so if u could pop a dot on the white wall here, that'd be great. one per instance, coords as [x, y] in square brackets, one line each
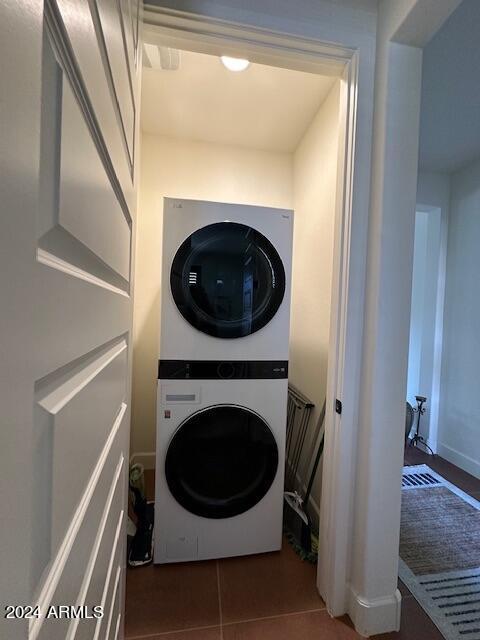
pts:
[459, 420]
[449, 123]
[428, 291]
[196, 170]
[315, 175]
[416, 315]
[423, 319]
[305, 181]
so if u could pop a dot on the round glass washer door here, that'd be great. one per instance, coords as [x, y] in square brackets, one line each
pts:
[221, 461]
[227, 280]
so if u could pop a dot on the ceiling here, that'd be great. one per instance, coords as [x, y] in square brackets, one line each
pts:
[450, 112]
[262, 108]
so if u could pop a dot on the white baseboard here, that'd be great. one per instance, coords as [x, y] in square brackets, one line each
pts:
[147, 458]
[371, 617]
[470, 465]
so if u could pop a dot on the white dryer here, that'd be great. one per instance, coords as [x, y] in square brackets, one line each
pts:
[225, 281]
[220, 459]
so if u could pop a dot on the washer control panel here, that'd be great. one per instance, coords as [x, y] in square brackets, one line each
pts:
[222, 369]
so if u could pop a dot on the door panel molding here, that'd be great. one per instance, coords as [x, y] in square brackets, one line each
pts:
[114, 606]
[67, 59]
[124, 97]
[113, 562]
[87, 207]
[68, 588]
[67, 176]
[67, 263]
[77, 204]
[115, 498]
[55, 390]
[59, 250]
[125, 8]
[81, 409]
[75, 307]
[52, 394]
[56, 571]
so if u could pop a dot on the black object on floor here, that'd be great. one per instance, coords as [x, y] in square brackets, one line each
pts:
[141, 549]
[417, 439]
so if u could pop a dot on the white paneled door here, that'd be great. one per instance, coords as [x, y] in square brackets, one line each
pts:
[68, 132]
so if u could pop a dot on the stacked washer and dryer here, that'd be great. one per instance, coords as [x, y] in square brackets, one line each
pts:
[222, 380]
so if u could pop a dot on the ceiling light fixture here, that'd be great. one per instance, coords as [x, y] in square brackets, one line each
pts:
[235, 64]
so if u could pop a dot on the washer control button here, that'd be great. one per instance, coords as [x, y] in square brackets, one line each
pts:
[226, 370]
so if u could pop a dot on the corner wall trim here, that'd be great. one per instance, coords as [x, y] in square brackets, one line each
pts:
[380, 615]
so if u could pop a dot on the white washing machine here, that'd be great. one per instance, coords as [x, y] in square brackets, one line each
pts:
[225, 281]
[220, 459]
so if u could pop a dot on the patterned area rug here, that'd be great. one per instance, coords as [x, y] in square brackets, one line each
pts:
[440, 551]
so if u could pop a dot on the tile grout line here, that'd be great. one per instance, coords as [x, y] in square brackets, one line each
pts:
[171, 632]
[277, 615]
[219, 600]
[227, 624]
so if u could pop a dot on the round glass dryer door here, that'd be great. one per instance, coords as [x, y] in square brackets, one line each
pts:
[227, 280]
[221, 461]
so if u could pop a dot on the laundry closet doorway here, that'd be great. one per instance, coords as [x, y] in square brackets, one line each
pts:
[339, 67]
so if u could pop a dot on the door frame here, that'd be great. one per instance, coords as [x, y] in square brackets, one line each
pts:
[433, 389]
[203, 34]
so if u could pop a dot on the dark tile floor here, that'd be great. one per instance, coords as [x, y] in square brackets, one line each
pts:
[265, 597]
[230, 594]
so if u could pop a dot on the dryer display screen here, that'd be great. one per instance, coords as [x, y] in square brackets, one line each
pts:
[221, 461]
[227, 280]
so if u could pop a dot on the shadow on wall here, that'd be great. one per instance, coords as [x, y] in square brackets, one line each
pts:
[308, 371]
[193, 170]
[144, 376]
[459, 430]
[304, 181]
[315, 183]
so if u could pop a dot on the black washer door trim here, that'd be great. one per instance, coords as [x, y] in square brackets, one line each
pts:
[221, 461]
[227, 280]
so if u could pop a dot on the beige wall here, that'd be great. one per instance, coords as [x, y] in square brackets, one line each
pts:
[197, 170]
[304, 181]
[315, 175]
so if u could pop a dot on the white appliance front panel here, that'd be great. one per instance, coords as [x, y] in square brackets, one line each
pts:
[181, 535]
[178, 339]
